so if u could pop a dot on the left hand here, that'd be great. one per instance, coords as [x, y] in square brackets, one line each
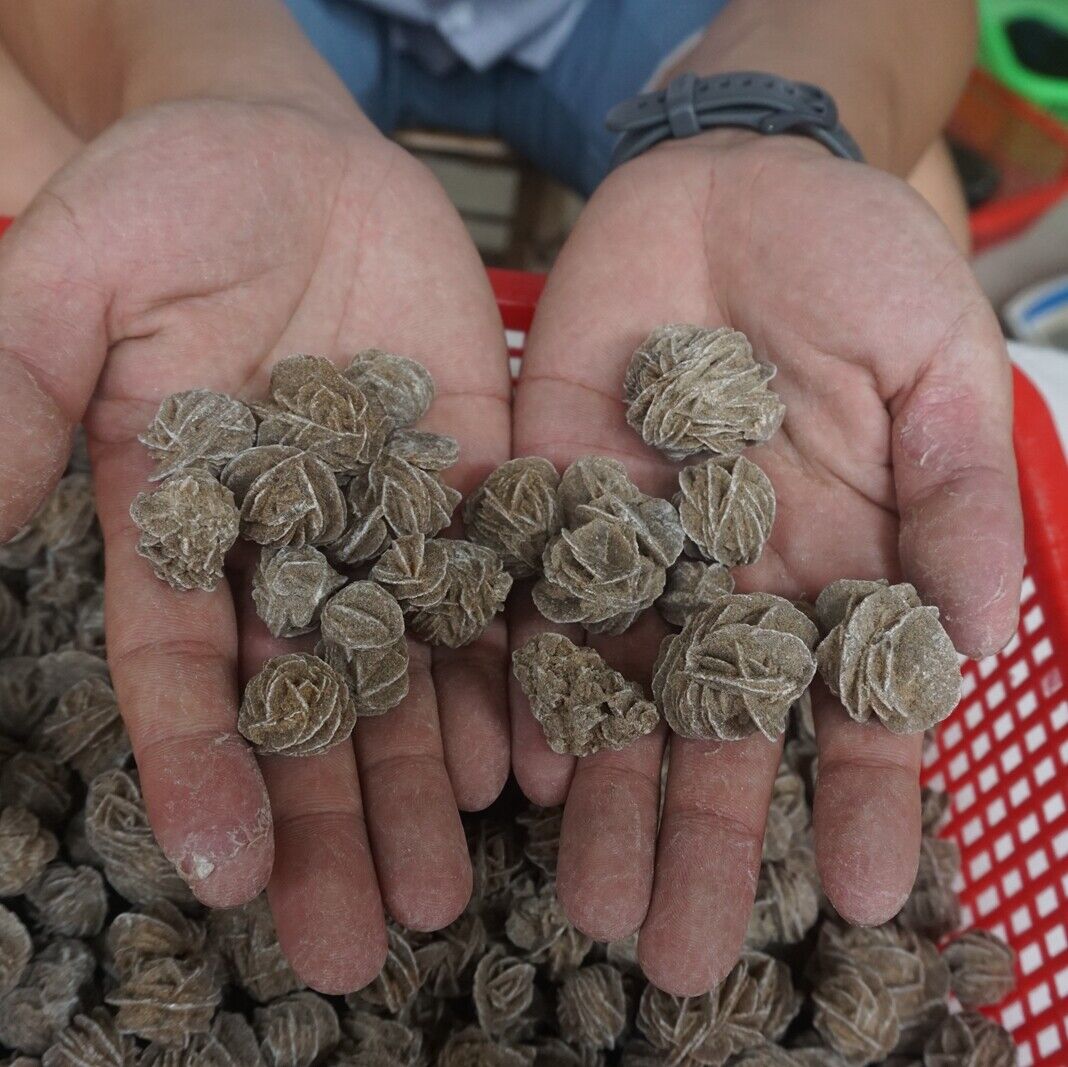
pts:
[895, 460]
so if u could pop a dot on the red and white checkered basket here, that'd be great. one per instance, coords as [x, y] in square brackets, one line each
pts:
[1003, 754]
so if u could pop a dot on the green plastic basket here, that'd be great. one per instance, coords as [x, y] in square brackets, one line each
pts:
[997, 54]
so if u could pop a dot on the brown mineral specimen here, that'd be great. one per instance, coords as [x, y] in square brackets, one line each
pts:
[317, 409]
[969, 1040]
[246, 939]
[187, 526]
[727, 507]
[592, 1007]
[65, 522]
[286, 496]
[69, 901]
[472, 1047]
[16, 949]
[474, 590]
[398, 981]
[408, 498]
[887, 654]
[10, 618]
[446, 962]
[91, 1040]
[363, 638]
[787, 900]
[297, 705]
[290, 587]
[981, 968]
[40, 783]
[166, 1000]
[855, 1014]
[297, 1031]
[413, 569]
[788, 814]
[116, 827]
[736, 667]
[537, 925]
[198, 430]
[515, 512]
[26, 848]
[590, 478]
[401, 386]
[932, 908]
[85, 729]
[692, 585]
[693, 390]
[503, 992]
[155, 931]
[582, 704]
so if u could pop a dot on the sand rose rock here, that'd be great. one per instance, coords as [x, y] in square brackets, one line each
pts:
[582, 704]
[537, 925]
[297, 705]
[16, 949]
[981, 968]
[85, 729]
[246, 938]
[413, 569]
[692, 390]
[503, 992]
[886, 654]
[69, 901]
[515, 512]
[398, 981]
[736, 667]
[92, 1040]
[403, 387]
[692, 585]
[855, 1014]
[592, 1007]
[187, 526]
[969, 1040]
[198, 429]
[317, 409]
[287, 496]
[290, 586]
[727, 508]
[26, 848]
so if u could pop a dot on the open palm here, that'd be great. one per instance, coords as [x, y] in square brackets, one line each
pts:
[193, 246]
[894, 460]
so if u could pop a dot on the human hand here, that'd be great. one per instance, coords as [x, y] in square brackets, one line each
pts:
[895, 460]
[193, 245]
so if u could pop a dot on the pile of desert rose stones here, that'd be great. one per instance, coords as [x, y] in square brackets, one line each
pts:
[106, 958]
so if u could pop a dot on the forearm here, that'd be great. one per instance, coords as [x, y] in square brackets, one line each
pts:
[895, 69]
[96, 61]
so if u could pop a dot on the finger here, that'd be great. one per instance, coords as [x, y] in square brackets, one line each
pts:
[173, 658]
[542, 774]
[707, 861]
[866, 813]
[608, 833]
[961, 526]
[52, 346]
[323, 890]
[416, 835]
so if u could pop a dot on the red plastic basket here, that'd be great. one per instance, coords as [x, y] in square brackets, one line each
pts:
[1003, 754]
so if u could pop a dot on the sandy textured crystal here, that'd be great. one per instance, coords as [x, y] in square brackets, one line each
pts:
[315, 408]
[736, 667]
[36, 781]
[537, 925]
[65, 522]
[981, 968]
[403, 387]
[855, 1014]
[26, 848]
[727, 507]
[886, 654]
[166, 999]
[85, 729]
[15, 949]
[117, 828]
[398, 981]
[246, 938]
[10, 618]
[298, 1030]
[692, 390]
[92, 1040]
[450, 590]
[789, 816]
[787, 900]
[290, 586]
[592, 1007]
[515, 512]
[297, 705]
[969, 1040]
[472, 1047]
[363, 639]
[582, 704]
[446, 963]
[54, 987]
[286, 496]
[198, 429]
[69, 901]
[503, 992]
[932, 907]
[692, 585]
[157, 930]
[187, 526]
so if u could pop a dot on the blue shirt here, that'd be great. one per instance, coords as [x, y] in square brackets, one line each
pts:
[480, 33]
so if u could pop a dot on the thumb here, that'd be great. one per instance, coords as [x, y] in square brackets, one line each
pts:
[961, 525]
[52, 346]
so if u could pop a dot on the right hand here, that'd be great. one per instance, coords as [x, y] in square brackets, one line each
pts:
[192, 246]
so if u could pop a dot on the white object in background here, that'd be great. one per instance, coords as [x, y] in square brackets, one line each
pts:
[1039, 314]
[1048, 369]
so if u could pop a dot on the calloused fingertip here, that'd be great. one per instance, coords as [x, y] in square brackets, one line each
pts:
[227, 880]
[331, 967]
[544, 781]
[431, 904]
